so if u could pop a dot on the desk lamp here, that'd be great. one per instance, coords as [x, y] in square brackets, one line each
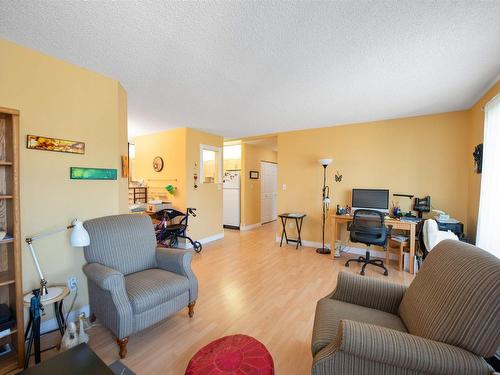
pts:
[79, 238]
[325, 203]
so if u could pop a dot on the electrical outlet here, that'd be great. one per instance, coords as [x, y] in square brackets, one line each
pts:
[73, 283]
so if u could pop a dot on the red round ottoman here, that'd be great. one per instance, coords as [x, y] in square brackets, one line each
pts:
[235, 355]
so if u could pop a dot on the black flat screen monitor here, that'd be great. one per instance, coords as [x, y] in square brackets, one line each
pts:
[374, 199]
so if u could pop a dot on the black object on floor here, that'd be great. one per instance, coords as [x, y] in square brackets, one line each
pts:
[80, 360]
[298, 223]
[120, 369]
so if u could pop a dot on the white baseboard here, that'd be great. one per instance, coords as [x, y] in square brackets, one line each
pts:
[250, 226]
[51, 324]
[185, 244]
[305, 243]
[347, 249]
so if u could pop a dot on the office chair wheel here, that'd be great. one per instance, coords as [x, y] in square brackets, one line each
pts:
[362, 273]
[197, 246]
[347, 264]
[386, 273]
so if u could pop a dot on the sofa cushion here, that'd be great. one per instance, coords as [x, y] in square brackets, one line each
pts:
[329, 313]
[150, 288]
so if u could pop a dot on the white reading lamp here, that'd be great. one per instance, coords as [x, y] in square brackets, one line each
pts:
[79, 238]
[325, 203]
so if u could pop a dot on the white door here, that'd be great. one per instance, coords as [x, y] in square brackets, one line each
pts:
[268, 191]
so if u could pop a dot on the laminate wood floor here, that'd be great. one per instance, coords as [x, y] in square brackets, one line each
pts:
[249, 285]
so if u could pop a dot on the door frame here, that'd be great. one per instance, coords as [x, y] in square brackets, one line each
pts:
[275, 198]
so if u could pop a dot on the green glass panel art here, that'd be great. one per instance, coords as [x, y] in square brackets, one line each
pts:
[79, 173]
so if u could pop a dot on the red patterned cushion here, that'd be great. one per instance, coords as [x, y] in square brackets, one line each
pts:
[235, 355]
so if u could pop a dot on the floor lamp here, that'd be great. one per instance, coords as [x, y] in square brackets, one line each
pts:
[325, 202]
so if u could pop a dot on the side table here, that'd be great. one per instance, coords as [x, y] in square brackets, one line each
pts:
[299, 218]
[55, 296]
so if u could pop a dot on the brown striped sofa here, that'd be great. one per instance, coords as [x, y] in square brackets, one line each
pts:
[445, 322]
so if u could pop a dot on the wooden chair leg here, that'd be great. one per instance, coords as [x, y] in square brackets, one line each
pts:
[191, 308]
[122, 344]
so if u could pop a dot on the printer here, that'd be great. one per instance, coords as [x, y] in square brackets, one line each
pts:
[446, 223]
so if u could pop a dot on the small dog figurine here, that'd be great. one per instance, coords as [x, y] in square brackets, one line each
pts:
[70, 338]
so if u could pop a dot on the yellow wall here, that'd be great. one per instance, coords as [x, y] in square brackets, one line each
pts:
[250, 188]
[420, 155]
[180, 150]
[171, 146]
[207, 198]
[475, 137]
[64, 101]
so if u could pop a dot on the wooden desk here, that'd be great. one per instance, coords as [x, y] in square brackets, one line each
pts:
[337, 220]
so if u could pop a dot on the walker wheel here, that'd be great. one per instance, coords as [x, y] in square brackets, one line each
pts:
[197, 246]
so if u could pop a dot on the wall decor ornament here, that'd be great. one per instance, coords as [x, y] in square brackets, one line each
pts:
[338, 177]
[478, 158]
[254, 175]
[81, 173]
[125, 166]
[36, 142]
[158, 164]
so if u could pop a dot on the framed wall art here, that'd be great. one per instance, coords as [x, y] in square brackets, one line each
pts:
[80, 173]
[36, 142]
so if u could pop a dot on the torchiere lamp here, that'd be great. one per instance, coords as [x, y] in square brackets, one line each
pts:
[325, 202]
[79, 238]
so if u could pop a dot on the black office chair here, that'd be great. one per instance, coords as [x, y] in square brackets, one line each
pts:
[368, 227]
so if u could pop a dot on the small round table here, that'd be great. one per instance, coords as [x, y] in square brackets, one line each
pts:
[237, 354]
[55, 296]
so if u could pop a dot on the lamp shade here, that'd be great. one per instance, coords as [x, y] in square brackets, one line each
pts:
[325, 162]
[79, 235]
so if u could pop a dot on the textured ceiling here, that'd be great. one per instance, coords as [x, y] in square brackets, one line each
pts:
[245, 68]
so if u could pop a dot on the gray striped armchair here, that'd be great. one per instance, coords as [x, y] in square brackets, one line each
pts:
[445, 322]
[132, 284]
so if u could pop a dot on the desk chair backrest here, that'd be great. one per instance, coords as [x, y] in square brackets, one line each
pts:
[455, 298]
[368, 227]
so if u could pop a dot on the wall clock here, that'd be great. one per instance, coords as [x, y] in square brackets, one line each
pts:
[158, 164]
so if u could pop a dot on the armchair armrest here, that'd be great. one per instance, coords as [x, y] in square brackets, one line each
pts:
[109, 299]
[369, 292]
[104, 277]
[178, 261]
[399, 349]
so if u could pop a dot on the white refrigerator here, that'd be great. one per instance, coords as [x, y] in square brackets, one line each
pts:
[231, 199]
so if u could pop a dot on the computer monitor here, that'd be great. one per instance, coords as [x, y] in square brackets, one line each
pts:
[373, 199]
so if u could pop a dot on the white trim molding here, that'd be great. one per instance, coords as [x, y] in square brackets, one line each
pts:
[185, 244]
[51, 324]
[347, 249]
[250, 226]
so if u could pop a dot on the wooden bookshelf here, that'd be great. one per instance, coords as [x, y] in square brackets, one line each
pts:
[10, 246]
